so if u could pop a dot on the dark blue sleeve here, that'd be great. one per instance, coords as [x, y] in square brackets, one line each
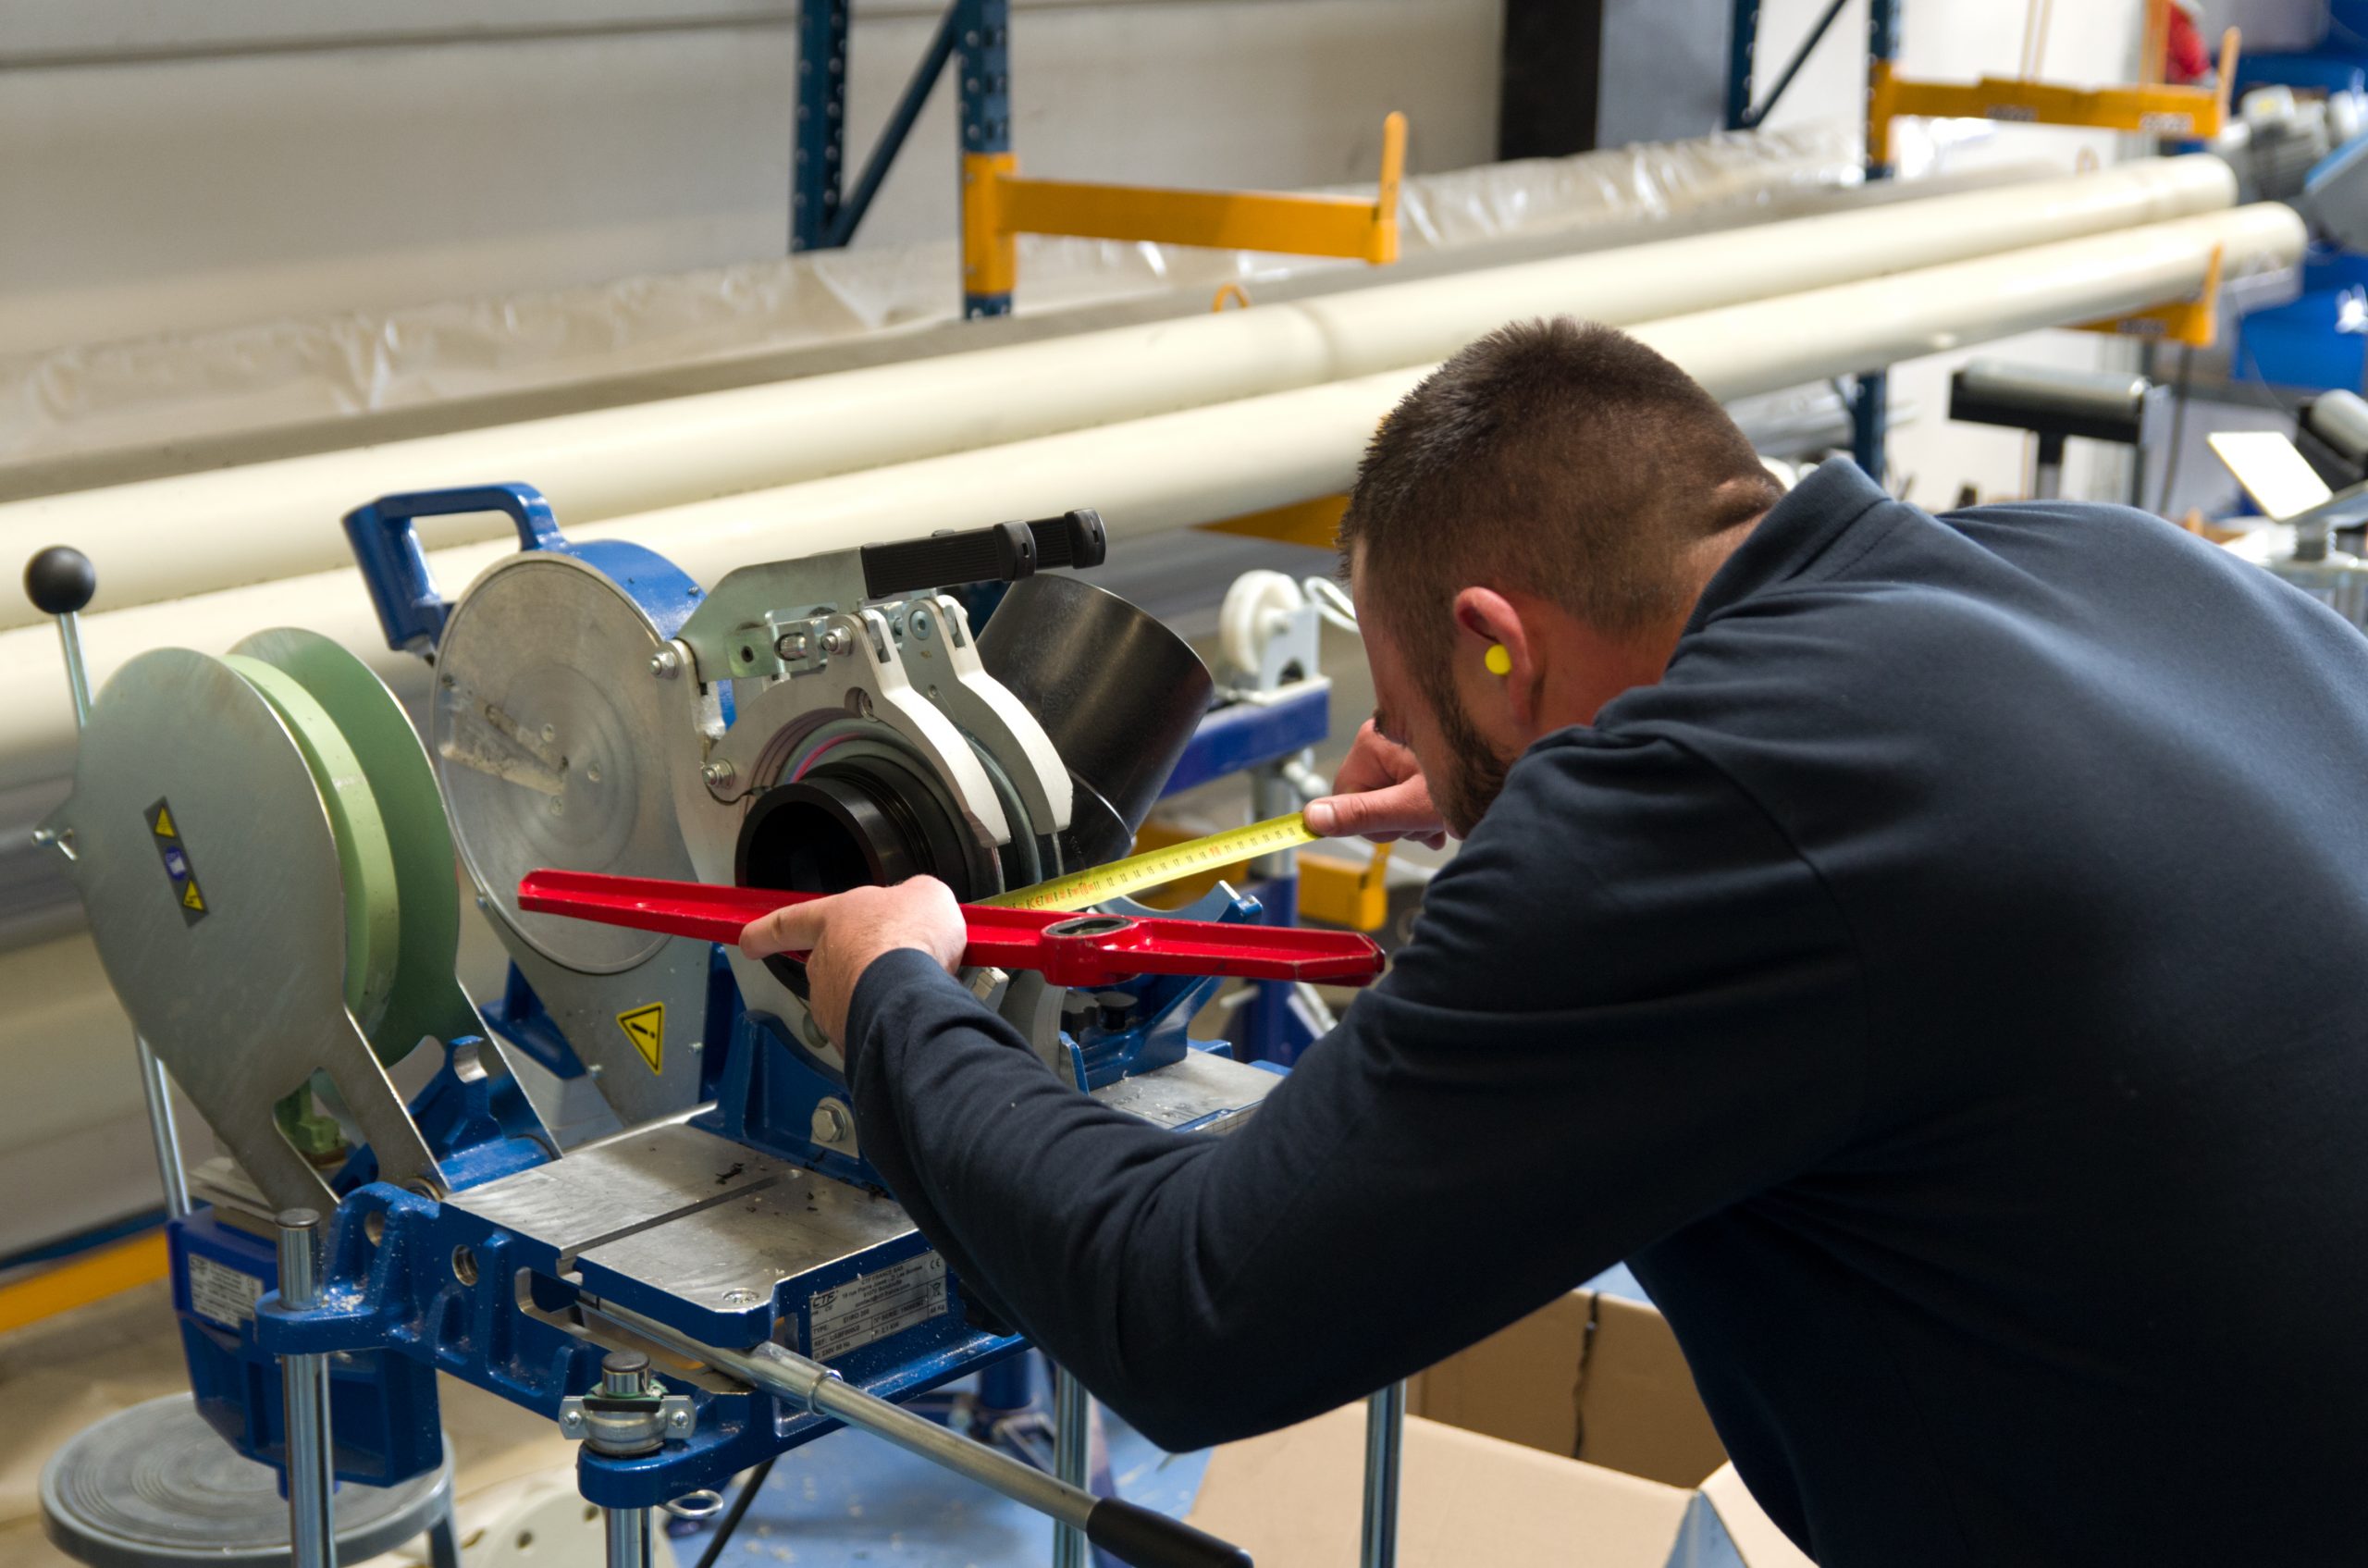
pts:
[1628, 1003]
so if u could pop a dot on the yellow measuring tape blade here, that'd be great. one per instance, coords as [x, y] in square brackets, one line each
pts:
[1157, 867]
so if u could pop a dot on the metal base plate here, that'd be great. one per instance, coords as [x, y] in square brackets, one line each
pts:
[156, 1485]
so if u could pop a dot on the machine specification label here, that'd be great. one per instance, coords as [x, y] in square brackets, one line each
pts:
[847, 1317]
[225, 1294]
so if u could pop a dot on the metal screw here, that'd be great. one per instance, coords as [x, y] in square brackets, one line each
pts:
[679, 1420]
[593, 1070]
[550, 732]
[836, 640]
[570, 1421]
[790, 647]
[920, 624]
[717, 773]
[558, 807]
[666, 663]
[736, 1297]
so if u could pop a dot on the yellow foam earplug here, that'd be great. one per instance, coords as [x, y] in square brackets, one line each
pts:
[1499, 661]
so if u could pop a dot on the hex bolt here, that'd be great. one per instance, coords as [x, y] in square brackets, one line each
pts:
[832, 1124]
[666, 663]
[718, 774]
[836, 640]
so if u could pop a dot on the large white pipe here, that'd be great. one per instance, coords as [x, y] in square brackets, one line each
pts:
[1203, 463]
[167, 538]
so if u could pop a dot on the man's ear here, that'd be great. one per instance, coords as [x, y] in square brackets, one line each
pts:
[1486, 621]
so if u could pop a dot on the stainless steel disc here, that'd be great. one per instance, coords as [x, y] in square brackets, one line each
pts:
[549, 738]
[155, 1485]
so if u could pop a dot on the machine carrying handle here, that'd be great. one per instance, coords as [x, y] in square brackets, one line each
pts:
[394, 567]
[1148, 1538]
[1004, 552]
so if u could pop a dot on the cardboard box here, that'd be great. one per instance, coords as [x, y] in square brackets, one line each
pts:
[1574, 1436]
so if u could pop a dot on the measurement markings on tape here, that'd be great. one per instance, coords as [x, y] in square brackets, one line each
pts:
[1154, 868]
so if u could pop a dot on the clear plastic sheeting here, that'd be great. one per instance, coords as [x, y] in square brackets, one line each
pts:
[76, 400]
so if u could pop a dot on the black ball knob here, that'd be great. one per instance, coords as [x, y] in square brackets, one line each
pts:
[60, 580]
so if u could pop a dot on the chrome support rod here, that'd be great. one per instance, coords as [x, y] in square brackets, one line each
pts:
[72, 572]
[1129, 1532]
[1072, 1425]
[1385, 1444]
[810, 1386]
[304, 1384]
[628, 1537]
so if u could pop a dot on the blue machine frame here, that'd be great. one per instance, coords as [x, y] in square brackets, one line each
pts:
[411, 1285]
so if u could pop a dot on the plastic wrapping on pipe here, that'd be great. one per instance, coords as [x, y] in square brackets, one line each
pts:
[169, 538]
[1197, 464]
[80, 398]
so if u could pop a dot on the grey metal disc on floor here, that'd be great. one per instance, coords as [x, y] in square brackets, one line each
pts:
[155, 1487]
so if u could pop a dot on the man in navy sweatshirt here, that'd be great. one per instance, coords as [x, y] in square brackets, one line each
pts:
[1928, 949]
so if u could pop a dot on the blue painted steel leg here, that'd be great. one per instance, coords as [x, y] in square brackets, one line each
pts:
[900, 126]
[1753, 115]
[1743, 43]
[1870, 404]
[1870, 421]
[818, 156]
[984, 50]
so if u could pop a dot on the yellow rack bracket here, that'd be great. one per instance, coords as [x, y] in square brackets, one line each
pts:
[2147, 108]
[998, 207]
[1316, 523]
[2194, 322]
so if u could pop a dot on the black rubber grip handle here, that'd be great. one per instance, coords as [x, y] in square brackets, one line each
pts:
[1150, 1539]
[60, 580]
[1003, 553]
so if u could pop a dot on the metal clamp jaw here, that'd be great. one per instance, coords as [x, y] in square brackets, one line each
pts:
[853, 651]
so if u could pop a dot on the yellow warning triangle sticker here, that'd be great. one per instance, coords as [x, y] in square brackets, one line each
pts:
[645, 1027]
[189, 898]
[164, 823]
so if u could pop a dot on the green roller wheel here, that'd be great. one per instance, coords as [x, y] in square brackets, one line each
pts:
[426, 1000]
[366, 859]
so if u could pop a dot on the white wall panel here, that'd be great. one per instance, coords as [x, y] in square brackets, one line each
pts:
[176, 193]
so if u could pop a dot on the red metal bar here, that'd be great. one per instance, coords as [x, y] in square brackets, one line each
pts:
[1068, 949]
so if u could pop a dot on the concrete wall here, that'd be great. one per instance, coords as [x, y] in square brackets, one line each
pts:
[169, 166]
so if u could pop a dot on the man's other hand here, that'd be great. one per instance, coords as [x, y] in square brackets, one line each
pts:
[841, 935]
[1379, 793]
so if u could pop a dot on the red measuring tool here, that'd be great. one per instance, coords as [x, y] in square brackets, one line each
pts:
[1068, 949]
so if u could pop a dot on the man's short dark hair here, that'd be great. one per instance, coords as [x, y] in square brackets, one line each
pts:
[1559, 458]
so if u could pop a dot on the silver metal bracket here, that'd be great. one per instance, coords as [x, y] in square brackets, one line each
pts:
[669, 1418]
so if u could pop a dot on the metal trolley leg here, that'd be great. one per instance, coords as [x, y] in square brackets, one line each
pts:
[305, 1386]
[1071, 1426]
[1385, 1444]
